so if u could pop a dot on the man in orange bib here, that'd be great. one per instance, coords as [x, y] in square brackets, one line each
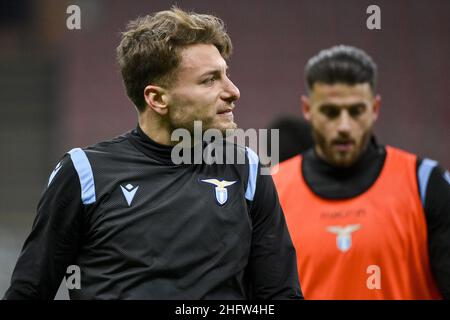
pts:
[368, 221]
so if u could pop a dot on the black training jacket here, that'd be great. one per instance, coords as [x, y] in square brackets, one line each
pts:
[139, 226]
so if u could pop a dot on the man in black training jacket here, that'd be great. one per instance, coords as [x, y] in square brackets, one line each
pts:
[140, 226]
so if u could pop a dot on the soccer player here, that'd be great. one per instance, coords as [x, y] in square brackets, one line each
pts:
[368, 221]
[138, 225]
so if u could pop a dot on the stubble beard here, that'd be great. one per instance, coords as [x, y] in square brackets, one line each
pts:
[324, 149]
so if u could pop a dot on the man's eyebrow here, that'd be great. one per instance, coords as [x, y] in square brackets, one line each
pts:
[332, 105]
[357, 105]
[210, 72]
[216, 71]
[329, 105]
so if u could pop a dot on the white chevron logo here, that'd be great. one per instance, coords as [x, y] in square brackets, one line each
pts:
[129, 191]
[220, 189]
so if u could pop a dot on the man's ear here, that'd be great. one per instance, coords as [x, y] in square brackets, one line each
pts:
[156, 99]
[306, 107]
[376, 106]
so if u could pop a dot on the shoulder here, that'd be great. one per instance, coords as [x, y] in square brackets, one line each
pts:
[286, 168]
[64, 171]
[398, 153]
[110, 145]
[80, 163]
[424, 165]
[117, 150]
[429, 172]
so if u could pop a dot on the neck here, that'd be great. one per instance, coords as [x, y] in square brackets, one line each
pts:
[331, 182]
[156, 129]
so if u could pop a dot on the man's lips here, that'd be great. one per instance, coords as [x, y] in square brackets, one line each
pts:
[226, 114]
[343, 145]
[226, 111]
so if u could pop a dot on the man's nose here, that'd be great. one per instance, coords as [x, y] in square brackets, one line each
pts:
[344, 122]
[231, 92]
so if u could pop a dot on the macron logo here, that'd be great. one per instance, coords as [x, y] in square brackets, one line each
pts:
[129, 191]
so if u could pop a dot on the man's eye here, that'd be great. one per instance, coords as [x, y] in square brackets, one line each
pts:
[331, 112]
[208, 80]
[356, 111]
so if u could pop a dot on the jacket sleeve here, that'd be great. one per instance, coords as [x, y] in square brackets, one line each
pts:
[54, 239]
[435, 194]
[273, 263]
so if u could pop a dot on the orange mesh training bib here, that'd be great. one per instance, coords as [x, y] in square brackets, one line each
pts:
[373, 246]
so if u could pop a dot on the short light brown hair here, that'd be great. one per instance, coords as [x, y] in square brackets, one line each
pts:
[149, 51]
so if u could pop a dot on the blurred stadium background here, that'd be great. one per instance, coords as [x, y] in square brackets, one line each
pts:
[61, 88]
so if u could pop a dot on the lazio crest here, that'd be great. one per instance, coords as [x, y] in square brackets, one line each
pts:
[220, 189]
[344, 235]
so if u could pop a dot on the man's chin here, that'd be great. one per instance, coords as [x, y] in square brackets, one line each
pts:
[226, 128]
[343, 161]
